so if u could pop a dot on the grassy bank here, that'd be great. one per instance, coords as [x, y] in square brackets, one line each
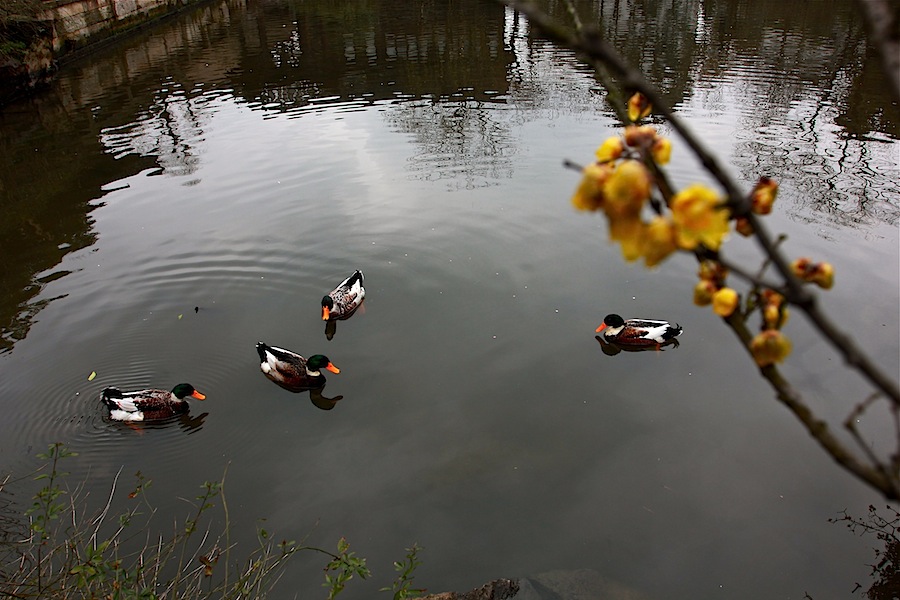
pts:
[62, 547]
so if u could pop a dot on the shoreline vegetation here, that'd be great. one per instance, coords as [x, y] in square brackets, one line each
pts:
[63, 545]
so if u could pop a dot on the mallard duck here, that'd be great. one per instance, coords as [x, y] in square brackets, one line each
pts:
[290, 370]
[342, 301]
[148, 405]
[638, 332]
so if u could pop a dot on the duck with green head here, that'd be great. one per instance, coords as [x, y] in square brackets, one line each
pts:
[290, 370]
[150, 404]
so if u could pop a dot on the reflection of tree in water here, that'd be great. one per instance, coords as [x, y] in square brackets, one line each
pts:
[842, 179]
[811, 135]
[460, 142]
[886, 570]
[816, 126]
[171, 130]
[467, 139]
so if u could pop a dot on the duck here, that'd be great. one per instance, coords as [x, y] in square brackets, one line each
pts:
[638, 332]
[150, 404]
[342, 301]
[290, 370]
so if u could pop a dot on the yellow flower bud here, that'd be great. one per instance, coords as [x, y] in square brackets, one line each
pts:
[770, 296]
[774, 316]
[638, 106]
[742, 226]
[713, 271]
[703, 293]
[661, 150]
[725, 302]
[643, 136]
[822, 274]
[800, 267]
[769, 347]
[763, 196]
[610, 149]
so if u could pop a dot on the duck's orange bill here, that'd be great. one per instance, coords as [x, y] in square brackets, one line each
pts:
[198, 395]
[333, 368]
[324, 313]
[599, 329]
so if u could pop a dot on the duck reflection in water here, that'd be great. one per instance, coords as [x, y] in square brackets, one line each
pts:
[342, 302]
[296, 374]
[186, 422]
[315, 395]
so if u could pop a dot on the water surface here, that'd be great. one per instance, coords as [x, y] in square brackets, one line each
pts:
[172, 200]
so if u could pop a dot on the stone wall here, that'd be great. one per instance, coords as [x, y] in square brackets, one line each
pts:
[76, 23]
[71, 26]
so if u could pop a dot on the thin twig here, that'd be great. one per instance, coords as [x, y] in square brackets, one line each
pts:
[99, 520]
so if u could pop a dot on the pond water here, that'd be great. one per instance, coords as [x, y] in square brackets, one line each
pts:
[175, 198]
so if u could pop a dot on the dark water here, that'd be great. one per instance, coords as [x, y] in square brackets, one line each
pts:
[172, 200]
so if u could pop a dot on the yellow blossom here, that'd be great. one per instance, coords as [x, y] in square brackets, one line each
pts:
[659, 241]
[699, 218]
[589, 195]
[638, 106]
[775, 313]
[661, 150]
[626, 189]
[703, 292]
[725, 301]
[763, 195]
[610, 149]
[629, 232]
[769, 347]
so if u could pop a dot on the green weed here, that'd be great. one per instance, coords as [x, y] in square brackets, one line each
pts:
[64, 550]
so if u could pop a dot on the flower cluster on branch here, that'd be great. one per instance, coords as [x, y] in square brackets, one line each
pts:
[623, 182]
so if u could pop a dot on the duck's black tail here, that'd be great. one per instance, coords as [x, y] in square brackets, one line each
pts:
[279, 353]
[357, 276]
[673, 331]
[107, 396]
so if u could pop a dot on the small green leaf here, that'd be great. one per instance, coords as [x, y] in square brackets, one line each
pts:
[92, 375]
